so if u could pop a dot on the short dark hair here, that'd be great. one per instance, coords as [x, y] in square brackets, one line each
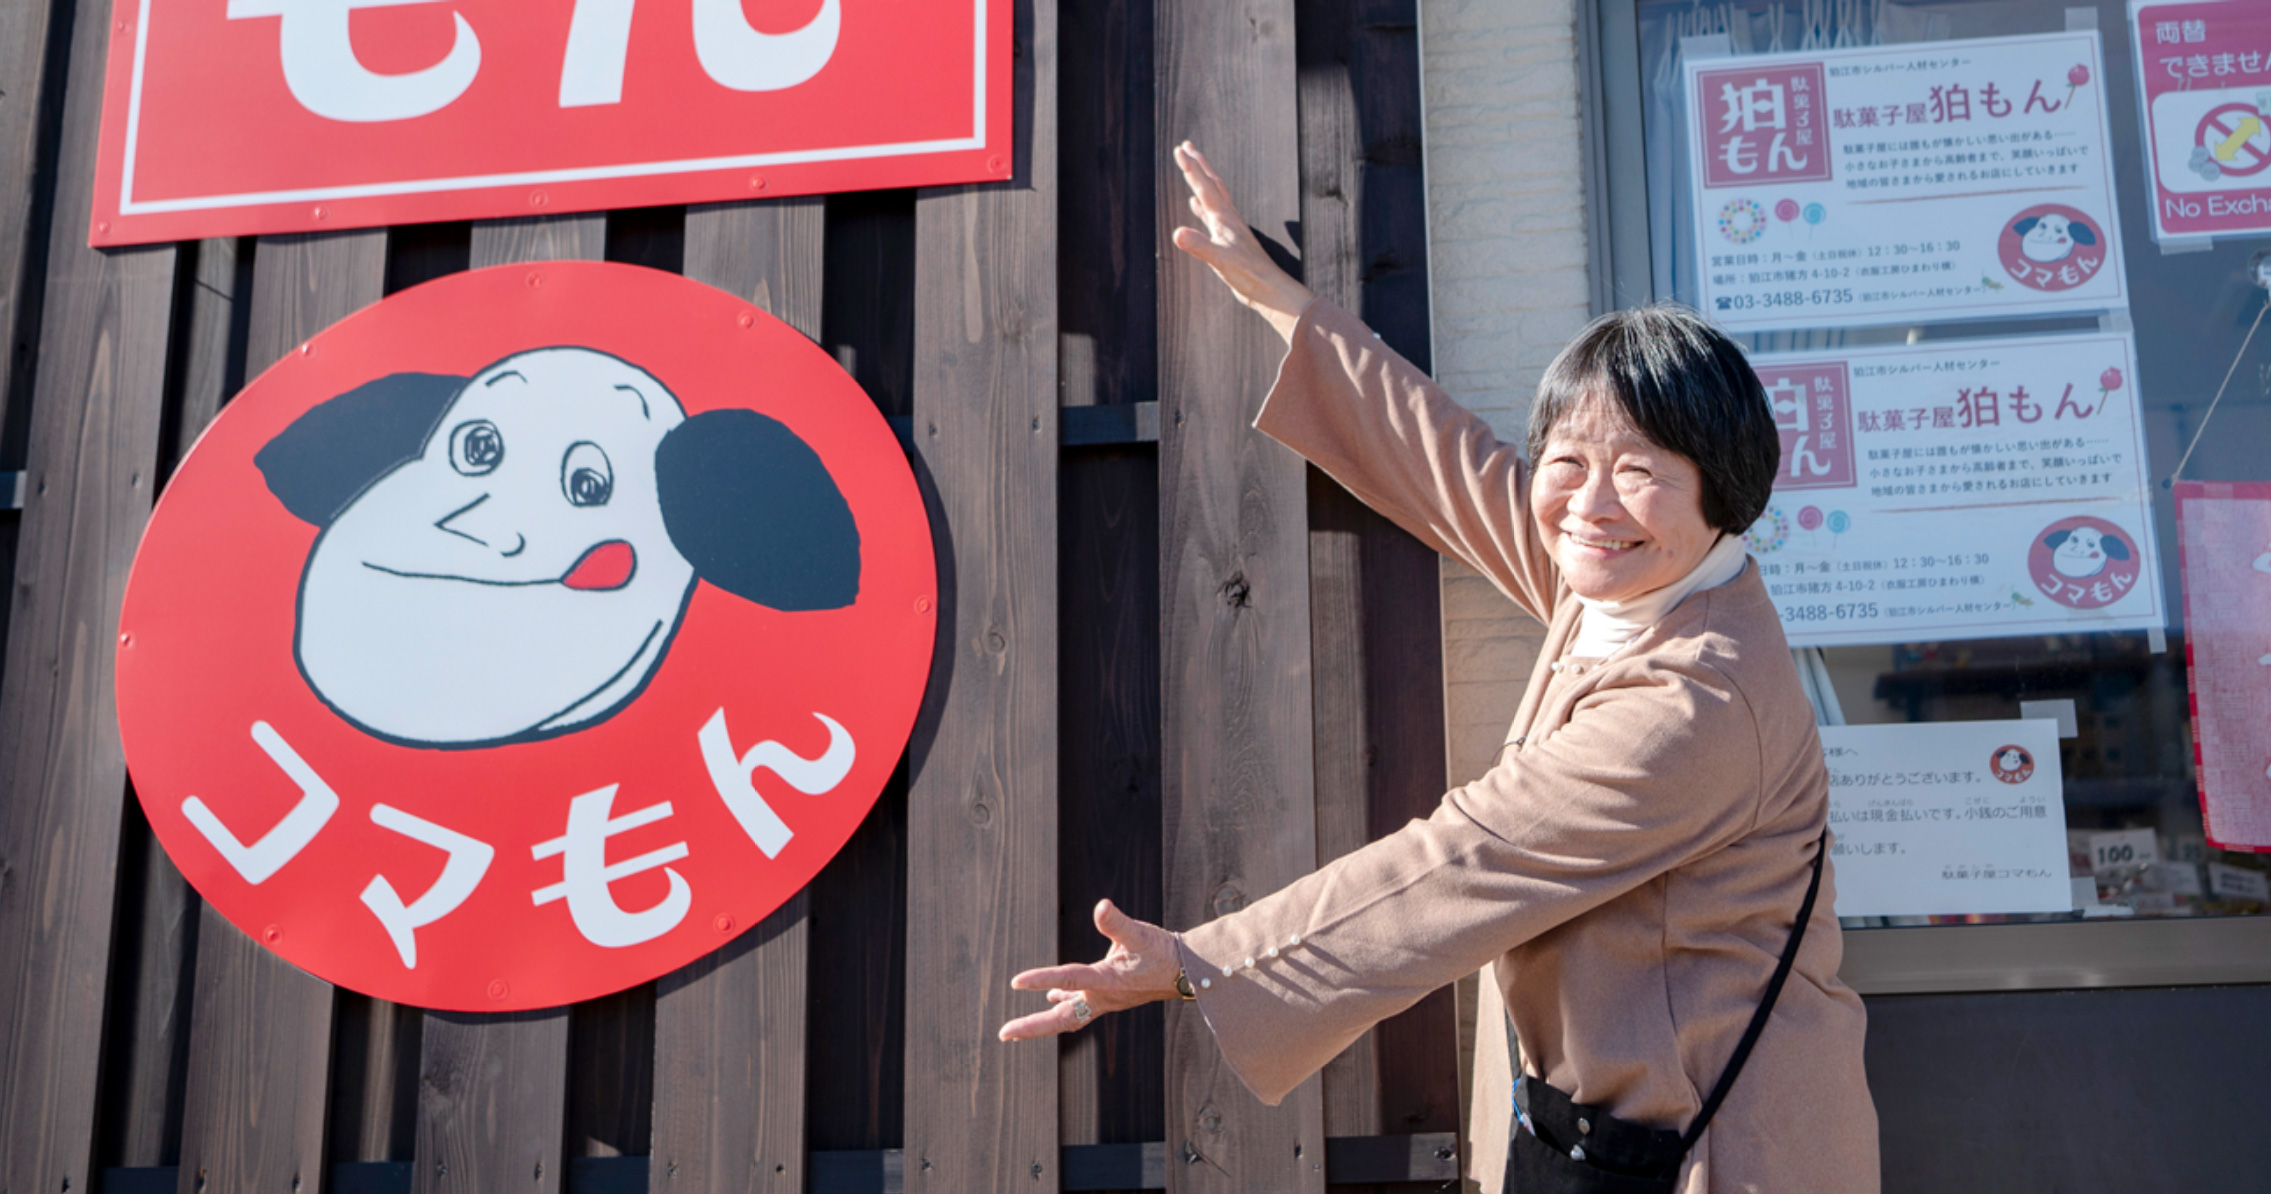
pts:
[1685, 386]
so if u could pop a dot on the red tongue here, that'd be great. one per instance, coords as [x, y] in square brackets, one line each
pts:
[607, 566]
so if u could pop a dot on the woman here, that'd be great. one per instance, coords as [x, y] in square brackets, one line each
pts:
[1637, 864]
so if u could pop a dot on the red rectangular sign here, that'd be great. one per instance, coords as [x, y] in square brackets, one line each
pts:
[237, 117]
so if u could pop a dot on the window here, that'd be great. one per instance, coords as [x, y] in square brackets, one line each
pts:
[1920, 219]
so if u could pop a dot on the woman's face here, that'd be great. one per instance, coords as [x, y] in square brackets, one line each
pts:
[1621, 515]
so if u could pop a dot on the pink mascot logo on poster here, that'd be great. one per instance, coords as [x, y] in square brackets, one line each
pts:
[2083, 562]
[236, 117]
[2051, 247]
[525, 636]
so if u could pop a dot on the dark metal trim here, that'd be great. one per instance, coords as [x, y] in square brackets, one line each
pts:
[12, 485]
[1428, 1157]
[1119, 423]
[1622, 276]
[1077, 426]
[1940, 959]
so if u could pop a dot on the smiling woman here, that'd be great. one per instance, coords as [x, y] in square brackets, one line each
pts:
[1645, 870]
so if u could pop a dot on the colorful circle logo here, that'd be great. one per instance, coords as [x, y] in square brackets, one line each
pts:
[2083, 562]
[525, 636]
[1742, 221]
[1769, 533]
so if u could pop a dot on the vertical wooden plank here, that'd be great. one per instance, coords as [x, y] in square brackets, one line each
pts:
[91, 449]
[146, 1034]
[146, 1041]
[260, 1028]
[1238, 814]
[1374, 605]
[492, 1089]
[28, 100]
[857, 906]
[730, 1030]
[1109, 1077]
[982, 802]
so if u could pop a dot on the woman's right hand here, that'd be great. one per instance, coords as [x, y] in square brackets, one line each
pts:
[1230, 248]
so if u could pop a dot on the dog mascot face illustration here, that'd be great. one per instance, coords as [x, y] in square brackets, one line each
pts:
[507, 557]
[2050, 238]
[2082, 552]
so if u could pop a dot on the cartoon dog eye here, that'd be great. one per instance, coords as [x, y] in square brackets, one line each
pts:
[453, 601]
[585, 476]
[476, 447]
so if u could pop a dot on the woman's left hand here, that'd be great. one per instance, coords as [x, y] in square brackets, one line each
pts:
[1140, 968]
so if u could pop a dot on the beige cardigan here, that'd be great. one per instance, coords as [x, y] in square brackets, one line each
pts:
[1630, 868]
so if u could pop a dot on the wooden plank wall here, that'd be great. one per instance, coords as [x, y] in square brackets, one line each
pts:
[1175, 673]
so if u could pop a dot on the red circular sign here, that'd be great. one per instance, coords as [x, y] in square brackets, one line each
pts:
[2051, 246]
[2011, 764]
[2225, 123]
[2083, 562]
[525, 636]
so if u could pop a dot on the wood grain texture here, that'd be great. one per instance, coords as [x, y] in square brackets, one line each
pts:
[92, 446]
[982, 803]
[213, 311]
[492, 1103]
[1376, 617]
[492, 1089]
[29, 98]
[260, 1028]
[146, 1036]
[730, 1035]
[1238, 817]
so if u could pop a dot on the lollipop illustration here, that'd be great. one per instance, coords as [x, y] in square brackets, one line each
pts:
[2108, 382]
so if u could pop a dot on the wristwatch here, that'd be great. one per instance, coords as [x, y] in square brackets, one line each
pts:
[1183, 987]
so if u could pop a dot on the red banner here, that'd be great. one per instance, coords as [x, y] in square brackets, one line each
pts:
[239, 117]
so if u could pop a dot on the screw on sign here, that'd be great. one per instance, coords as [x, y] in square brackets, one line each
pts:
[523, 644]
[2236, 139]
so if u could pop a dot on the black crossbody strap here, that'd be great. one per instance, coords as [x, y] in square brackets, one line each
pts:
[1765, 1006]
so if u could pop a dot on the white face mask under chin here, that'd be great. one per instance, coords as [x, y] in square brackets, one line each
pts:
[1606, 626]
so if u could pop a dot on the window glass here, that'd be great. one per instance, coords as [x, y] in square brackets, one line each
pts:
[2127, 750]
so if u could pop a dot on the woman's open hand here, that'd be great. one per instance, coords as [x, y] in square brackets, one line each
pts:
[1230, 248]
[1140, 968]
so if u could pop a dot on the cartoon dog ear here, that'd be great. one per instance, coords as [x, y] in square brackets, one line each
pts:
[2026, 225]
[2082, 233]
[2056, 539]
[320, 464]
[754, 510]
[2115, 549]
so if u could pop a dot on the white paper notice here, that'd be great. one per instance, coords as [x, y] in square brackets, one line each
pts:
[1965, 489]
[1947, 818]
[1899, 184]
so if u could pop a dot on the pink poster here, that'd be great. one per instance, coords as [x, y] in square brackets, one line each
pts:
[2223, 533]
[2206, 75]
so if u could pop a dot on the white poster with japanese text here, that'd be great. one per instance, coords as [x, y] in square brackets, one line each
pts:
[1947, 818]
[1901, 184]
[1960, 489]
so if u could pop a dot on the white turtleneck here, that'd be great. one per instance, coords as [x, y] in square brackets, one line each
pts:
[1607, 625]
